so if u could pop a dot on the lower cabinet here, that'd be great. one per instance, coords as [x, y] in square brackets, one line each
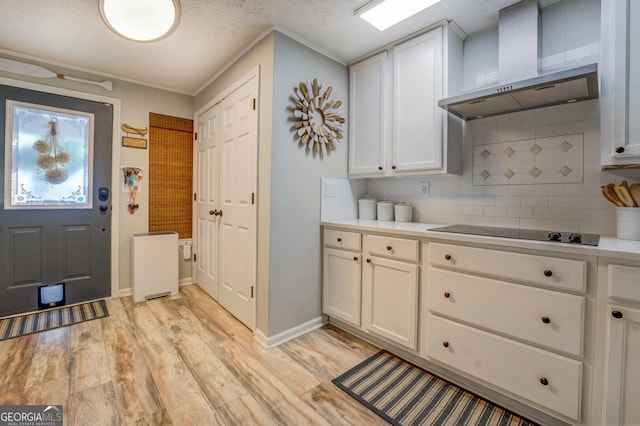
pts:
[622, 350]
[543, 377]
[390, 300]
[342, 275]
[341, 290]
[623, 366]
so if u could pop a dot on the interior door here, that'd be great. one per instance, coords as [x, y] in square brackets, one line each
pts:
[69, 242]
[238, 171]
[207, 203]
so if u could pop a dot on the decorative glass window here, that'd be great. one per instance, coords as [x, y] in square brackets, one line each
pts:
[49, 154]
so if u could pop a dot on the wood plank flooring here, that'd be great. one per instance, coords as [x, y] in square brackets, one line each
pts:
[182, 360]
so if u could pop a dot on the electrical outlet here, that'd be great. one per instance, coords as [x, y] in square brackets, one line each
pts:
[425, 188]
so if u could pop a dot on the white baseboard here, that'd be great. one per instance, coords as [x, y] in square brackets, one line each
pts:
[124, 292]
[185, 281]
[290, 334]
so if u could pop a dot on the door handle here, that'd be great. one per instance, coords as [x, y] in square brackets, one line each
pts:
[213, 212]
[104, 207]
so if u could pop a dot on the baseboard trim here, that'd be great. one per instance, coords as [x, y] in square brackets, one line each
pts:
[124, 292]
[290, 334]
[185, 281]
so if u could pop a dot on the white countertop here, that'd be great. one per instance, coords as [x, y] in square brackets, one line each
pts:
[607, 247]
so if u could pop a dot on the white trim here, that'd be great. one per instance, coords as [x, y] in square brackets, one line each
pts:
[258, 40]
[310, 45]
[90, 71]
[290, 334]
[252, 73]
[124, 292]
[115, 160]
[185, 281]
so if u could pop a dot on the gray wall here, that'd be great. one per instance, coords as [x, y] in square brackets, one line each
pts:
[295, 256]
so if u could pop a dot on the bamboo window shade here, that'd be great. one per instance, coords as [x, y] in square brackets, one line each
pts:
[170, 174]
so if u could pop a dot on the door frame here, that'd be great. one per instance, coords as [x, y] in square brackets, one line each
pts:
[115, 162]
[252, 73]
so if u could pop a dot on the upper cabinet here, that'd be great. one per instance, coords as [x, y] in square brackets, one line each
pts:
[620, 86]
[396, 127]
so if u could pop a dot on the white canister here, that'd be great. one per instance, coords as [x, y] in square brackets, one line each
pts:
[367, 208]
[385, 210]
[628, 223]
[404, 212]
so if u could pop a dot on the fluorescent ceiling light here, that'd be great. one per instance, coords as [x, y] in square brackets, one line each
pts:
[389, 12]
[141, 20]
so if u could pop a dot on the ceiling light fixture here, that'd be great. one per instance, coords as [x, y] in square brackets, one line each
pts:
[141, 20]
[386, 13]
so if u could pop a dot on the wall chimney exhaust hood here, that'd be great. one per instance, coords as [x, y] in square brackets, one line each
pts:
[573, 85]
[522, 87]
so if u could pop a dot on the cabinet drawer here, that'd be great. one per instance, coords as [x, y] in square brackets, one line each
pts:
[547, 271]
[550, 380]
[544, 317]
[395, 248]
[623, 282]
[342, 239]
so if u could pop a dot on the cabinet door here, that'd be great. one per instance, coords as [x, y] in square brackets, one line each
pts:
[367, 115]
[417, 119]
[623, 367]
[390, 300]
[620, 65]
[341, 290]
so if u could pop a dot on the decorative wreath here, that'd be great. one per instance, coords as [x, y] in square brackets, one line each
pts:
[317, 116]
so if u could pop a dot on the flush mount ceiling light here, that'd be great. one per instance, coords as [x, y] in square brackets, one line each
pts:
[386, 13]
[141, 20]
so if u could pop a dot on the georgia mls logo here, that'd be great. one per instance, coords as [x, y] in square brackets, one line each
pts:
[30, 415]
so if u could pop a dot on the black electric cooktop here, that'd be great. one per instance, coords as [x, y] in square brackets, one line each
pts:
[523, 234]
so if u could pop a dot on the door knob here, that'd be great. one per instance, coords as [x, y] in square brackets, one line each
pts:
[217, 213]
[212, 212]
[104, 207]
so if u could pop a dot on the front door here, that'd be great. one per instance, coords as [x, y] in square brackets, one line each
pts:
[55, 217]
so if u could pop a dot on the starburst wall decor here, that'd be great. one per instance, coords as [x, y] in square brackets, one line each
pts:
[317, 116]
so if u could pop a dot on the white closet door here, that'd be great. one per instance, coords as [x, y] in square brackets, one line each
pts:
[207, 202]
[238, 171]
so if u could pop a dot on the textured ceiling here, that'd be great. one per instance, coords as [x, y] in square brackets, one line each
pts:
[211, 33]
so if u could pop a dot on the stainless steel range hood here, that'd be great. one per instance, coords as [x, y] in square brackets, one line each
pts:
[573, 85]
[522, 86]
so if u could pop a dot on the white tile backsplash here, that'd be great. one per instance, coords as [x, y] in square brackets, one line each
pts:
[535, 205]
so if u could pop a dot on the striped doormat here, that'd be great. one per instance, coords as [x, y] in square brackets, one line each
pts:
[50, 319]
[404, 394]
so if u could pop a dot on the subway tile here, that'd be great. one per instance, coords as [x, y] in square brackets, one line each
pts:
[549, 189]
[495, 211]
[564, 202]
[472, 210]
[520, 212]
[547, 213]
[535, 201]
[508, 201]
[578, 214]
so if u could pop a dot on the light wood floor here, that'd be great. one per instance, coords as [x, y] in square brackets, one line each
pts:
[182, 360]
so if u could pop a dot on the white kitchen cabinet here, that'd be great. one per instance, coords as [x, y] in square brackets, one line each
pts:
[395, 119]
[619, 68]
[623, 366]
[490, 318]
[622, 353]
[342, 276]
[548, 379]
[390, 290]
[368, 116]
